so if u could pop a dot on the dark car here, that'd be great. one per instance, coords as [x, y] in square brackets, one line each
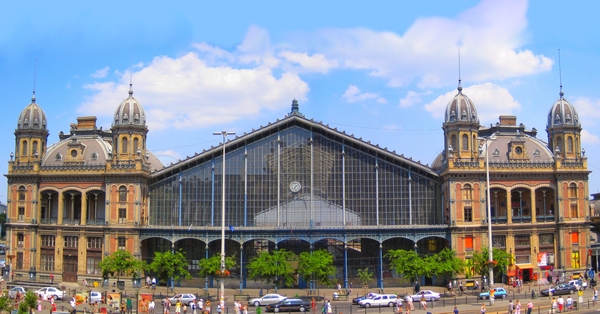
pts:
[563, 288]
[289, 305]
[362, 297]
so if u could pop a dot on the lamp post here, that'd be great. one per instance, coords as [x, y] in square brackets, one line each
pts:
[222, 286]
[489, 212]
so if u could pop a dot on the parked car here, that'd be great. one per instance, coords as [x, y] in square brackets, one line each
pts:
[95, 296]
[185, 298]
[289, 305]
[362, 297]
[499, 293]
[427, 294]
[51, 292]
[563, 288]
[12, 293]
[381, 300]
[267, 299]
[577, 283]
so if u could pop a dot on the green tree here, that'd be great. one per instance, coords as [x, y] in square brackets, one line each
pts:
[445, 263]
[5, 303]
[479, 261]
[2, 223]
[408, 263]
[273, 267]
[170, 265]
[210, 266]
[121, 263]
[29, 302]
[365, 276]
[317, 265]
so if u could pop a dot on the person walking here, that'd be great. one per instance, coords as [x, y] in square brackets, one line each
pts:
[129, 306]
[151, 306]
[529, 307]
[561, 304]
[166, 306]
[553, 306]
[595, 297]
[482, 309]
[569, 304]
[518, 307]
[313, 305]
[511, 307]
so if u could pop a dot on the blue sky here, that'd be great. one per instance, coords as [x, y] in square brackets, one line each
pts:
[383, 71]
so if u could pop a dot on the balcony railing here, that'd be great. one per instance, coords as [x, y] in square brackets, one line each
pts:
[95, 222]
[71, 221]
[49, 221]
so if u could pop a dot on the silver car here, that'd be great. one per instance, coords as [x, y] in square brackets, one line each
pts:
[267, 299]
[12, 293]
[185, 298]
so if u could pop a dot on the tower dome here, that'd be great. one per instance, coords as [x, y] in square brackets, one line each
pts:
[461, 109]
[562, 114]
[130, 112]
[32, 117]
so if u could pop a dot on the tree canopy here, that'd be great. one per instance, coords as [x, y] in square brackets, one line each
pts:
[317, 265]
[411, 265]
[121, 263]
[479, 262]
[170, 265]
[273, 267]
[210, 266]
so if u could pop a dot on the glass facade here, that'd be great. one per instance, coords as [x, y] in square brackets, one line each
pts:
[296, 178]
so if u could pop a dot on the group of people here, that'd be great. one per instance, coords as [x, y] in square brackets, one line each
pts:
[200, 307]
[410, 306]
[151, 282]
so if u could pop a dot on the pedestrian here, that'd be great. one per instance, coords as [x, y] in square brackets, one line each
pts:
[455, 310]
[201, 306]
[129, 306]
[178, 306]
[595, 297]
[410, 303]
[482, 309]
[423, 301]
[151, 306]
[561, 303]
[511, 307]
[219, 308]
[328, 307]
[529, 307]
[313, 305]
[569, 304]
[193, 306]
[153, 283]
[518, 307]
[51, 278]
[166, 306]
[350, 289]
[339, 288]
[553, 306]
[123, 307]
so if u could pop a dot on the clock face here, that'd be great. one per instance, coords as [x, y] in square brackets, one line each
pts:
[295, 186]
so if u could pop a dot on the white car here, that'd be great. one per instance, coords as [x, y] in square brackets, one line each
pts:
[12, 293]
[49, 292]
[267, 299]
[185, 298]
[95, 296]
[427, 294]
[381, 300]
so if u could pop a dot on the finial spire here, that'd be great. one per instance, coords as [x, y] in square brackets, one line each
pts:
[130, 78]
[560, 75]
[34, 78]
[459, 80]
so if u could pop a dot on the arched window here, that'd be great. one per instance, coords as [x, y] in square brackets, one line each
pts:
[467, 192]
[474, 144]
[35, 148]
[124, 145]
[22, 191]
[453, 142]
[572, 190]
[122, 194]
[465, 142]
[136, 143]
[24, 149]
[559, 143]
[570, 144]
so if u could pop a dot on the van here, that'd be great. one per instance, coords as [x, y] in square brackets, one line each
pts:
[381, 300]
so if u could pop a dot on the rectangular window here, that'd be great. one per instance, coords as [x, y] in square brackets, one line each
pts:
[121, 243]
[21, 216]
[20, 260]
[122, 215]
[71, 241]
[48, 240]
[94, 243]
[469, 243]
[47, 262]
[92, 266]
[20, 239]
[575, 262]
[468, 214]
[574, 237]
[574, 213]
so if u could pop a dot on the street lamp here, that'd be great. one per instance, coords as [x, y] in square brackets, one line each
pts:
[489, 211]
[222, 288]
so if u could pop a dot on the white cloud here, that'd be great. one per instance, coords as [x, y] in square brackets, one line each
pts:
[168, 156]
[309, 63]
[186, 93]
[590, 109]
[589, 138]
[353, 94]
[490, 101]
[412, 98]
[100, 73]
[490, 37]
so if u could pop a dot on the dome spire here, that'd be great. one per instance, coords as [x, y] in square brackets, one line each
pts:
[34, 77]
[459, 80]
[561, 93]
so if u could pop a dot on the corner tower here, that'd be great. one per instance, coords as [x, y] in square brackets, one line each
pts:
[564, 129]
[129, 130]
[461, 128]
[31, 135]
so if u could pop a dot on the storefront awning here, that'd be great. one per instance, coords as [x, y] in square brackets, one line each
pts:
[525, 266]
